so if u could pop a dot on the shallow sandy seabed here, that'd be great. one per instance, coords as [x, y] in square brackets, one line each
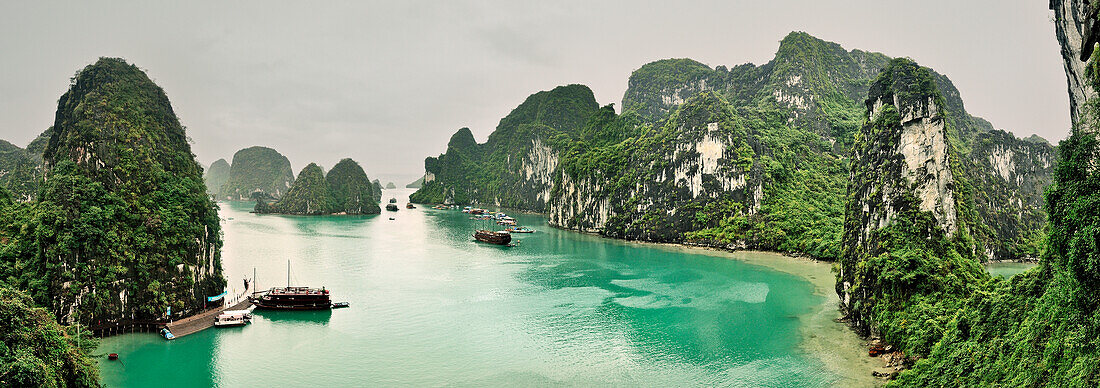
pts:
[838, 347]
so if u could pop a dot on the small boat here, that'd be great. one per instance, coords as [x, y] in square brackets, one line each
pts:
[391, 218]
[499, 238]
[467, 209]
[167, 334]
[340, 305]
[233, 318]
[393, 200]
[410, 206]
[112, 356]
[391, 207]
[519, 229]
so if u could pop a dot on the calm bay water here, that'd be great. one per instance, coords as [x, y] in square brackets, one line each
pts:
[430, 307]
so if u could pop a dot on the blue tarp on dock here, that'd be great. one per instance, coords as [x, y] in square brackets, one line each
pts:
[215, 297]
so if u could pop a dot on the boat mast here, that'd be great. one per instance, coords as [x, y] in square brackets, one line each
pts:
[288, 273]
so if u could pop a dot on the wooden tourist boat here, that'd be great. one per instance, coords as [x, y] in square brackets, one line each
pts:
[488, 236]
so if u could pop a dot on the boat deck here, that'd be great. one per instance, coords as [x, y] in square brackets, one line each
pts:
[204, 320]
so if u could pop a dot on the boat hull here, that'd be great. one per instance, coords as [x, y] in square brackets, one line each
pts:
[293, 307]
[498, 238]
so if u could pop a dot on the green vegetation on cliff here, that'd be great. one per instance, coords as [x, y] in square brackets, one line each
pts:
[257, 171]
[21, 169]
[216, 176]
[123, 228]
[745, 157]
[525, 140]
[344, 190]
[37, 352]
[376, 187]
[920, 286]
[350, 189]
[308, 195]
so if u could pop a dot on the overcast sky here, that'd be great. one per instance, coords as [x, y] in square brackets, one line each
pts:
[388, 82]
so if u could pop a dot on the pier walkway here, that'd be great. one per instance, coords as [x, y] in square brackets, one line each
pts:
[204, 320]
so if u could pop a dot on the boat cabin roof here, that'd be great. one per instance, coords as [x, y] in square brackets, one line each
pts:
[297, 291]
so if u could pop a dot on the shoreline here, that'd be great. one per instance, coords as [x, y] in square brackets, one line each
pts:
[839, 349]
[824, 337]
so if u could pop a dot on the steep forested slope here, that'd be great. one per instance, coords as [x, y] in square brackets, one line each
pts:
[743, 157]
[257, 172]
[123, 227]
[346, 189]
[515, 166]
[216, 175]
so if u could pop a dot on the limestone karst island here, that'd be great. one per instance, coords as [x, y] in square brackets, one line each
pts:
[544, 194]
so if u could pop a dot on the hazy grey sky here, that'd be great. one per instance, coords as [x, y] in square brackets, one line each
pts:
[388, 82]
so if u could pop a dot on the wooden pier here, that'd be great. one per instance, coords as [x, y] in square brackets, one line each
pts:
[203, 320]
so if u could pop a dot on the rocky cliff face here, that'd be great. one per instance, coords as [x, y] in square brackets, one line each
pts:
[907, 197]
[257, 171]
[776, 181]
[515, 166]
[744, 157]
[21, 170]
[1077, 32]
[127, 229]
[654, 187]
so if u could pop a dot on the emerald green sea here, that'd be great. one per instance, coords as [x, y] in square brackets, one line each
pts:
[431, 307]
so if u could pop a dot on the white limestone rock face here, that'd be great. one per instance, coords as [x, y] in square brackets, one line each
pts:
[923, 144]
[914, 162]
[538, 169]
[1076, 31]
[699, 166]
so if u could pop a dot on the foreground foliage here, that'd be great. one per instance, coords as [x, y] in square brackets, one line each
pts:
[924, 292]
[37, 352]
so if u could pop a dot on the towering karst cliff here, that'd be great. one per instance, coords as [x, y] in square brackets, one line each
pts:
[909, 206]
[909, 269]
[743, 157]
[1077, 32]
[216, 175]
[308, 195]
[257, 171]
[351, 190]
[515, 167]
[344, 190]
[125, 229]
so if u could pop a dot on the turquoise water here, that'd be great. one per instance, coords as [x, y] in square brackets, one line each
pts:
[431, 307]
[1008, 269]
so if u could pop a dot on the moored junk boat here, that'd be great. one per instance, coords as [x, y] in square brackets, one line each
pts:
[294, 298]
[499, 238]
[391, 207]
[410, 206]
[393, 200]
